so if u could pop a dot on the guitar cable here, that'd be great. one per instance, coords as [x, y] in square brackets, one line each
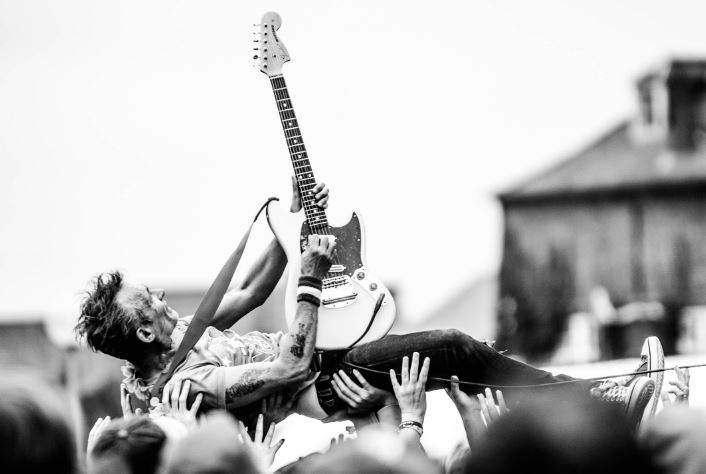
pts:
[565, 382]
[378, 304]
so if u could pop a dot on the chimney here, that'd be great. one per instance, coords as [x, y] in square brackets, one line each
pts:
[686, 86]
[672, 105]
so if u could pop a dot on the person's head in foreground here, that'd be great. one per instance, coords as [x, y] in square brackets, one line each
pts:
[128, 445]
[374, 451]
[34, 433]
[214, 447]
[554, 437]
[676, 439]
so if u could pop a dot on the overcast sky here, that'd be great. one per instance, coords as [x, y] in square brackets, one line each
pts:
[137, 134]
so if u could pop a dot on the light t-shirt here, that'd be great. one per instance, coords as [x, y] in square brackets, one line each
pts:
[205, 362]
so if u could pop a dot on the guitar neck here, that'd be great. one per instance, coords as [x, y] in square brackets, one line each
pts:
[303, 172]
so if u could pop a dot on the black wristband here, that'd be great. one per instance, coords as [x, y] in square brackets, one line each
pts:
[306, 280]
[309, 299]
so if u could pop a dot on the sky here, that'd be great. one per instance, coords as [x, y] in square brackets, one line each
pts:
[137, 135]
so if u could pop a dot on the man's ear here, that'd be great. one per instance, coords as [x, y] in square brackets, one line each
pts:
[145, 334]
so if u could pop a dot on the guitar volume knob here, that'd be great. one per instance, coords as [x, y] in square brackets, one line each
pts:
[373, 286]
[361, 275]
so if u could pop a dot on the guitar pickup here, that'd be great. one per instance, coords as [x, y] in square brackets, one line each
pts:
[342, 299]
[337, 269]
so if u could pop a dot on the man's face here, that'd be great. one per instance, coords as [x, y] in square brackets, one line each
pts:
[161, 318]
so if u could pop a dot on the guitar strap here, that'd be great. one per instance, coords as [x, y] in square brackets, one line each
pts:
[205, 312]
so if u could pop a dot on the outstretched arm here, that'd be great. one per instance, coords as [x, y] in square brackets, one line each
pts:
[250, 382]
[264, 274]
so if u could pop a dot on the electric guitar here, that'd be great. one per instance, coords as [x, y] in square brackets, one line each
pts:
[356, 307]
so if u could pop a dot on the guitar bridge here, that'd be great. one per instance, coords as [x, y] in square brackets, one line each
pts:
[338, 292]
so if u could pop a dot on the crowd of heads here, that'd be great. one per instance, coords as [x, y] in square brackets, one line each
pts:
[551, 435]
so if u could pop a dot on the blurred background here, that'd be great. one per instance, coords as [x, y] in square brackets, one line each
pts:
[531, 172]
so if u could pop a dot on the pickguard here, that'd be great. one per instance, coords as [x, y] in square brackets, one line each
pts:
[348, 244]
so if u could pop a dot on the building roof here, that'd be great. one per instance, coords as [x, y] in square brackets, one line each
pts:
[615, 162]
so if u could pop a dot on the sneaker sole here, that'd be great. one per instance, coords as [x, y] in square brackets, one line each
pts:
[642, 391]
[655, 360]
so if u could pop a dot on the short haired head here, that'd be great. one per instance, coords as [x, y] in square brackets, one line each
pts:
[106, 325]
[133, 445]
[125, 320]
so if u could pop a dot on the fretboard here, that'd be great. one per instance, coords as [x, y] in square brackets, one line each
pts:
[315, 216]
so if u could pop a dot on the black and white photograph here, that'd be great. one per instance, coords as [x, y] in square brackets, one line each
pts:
[395, 237]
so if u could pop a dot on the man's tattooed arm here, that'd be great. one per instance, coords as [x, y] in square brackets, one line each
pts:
[250, 381]
[297, 348]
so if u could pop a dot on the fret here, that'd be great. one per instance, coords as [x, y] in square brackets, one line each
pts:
[296, 148]
[286, 114]
[281, 94]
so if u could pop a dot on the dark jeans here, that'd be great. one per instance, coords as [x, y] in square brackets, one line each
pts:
[455, 353]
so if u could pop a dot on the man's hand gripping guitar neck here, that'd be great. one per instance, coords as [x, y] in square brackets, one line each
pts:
[250, 382]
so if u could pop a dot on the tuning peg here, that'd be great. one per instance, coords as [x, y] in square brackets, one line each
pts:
[256, 49]
[255, 57]
[255, 40]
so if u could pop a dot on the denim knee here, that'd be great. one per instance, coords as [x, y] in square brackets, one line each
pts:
[456, 338]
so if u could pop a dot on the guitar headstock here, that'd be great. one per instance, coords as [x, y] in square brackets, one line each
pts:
[273, 53]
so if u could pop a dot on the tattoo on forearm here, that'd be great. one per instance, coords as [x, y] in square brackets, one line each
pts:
[297, 349]
[250, 381]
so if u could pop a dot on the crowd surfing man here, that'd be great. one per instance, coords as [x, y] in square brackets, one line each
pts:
[235, 372]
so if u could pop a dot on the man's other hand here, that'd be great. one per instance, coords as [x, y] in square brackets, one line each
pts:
[321, 194]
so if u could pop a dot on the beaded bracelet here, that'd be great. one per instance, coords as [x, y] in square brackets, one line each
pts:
[412, 425]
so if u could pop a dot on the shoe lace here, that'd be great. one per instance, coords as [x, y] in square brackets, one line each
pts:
[616, 394]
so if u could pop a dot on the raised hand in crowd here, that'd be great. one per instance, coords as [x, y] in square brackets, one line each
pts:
[261, 446]
[361, 397]
[338, 440]
[477, 412]
[364, 399]
[126, 403]
[411, 396]
[679, 388]
[95, 433]
[174, 403]
[276, 406]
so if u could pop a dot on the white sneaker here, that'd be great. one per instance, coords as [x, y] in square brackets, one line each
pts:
[633, 398]
[653, 355]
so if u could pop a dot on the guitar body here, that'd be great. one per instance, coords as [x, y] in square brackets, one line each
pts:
[351, 293]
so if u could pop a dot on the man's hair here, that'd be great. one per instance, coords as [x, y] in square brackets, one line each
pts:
[105, 324]
[134, 442]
